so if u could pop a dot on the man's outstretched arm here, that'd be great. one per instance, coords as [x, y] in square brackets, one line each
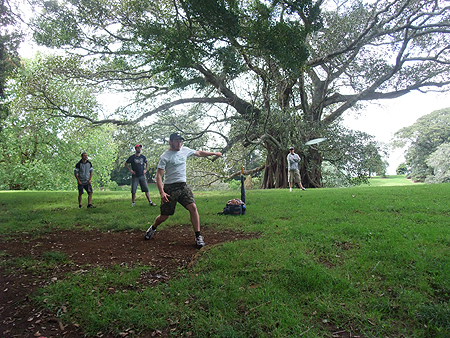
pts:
[202, 153]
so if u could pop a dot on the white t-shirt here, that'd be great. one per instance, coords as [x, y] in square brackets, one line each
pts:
[174, 164]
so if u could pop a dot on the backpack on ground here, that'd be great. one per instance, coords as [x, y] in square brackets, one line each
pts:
[234, 207]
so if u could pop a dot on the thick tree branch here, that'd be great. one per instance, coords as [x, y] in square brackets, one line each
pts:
[243, 107]
[247, 172]
[51, 105]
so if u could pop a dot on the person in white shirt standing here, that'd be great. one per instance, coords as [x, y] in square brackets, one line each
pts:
[293, 173]
[172, 163]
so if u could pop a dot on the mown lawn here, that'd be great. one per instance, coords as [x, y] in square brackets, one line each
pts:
[372, 261]
[389, 181]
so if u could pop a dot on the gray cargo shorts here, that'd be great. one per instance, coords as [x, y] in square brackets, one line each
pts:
[142, 181]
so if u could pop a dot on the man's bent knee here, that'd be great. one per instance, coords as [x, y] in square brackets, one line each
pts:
[191, 207]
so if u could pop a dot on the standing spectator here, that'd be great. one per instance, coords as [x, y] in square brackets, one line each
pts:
[293, 173]
[83, 173]
[139, 166]
[173, 163]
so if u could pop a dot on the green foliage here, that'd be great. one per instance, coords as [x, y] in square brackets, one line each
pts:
[263, 73]
[354, 155]
[125, 138]
[283, 39]
[67, 33]
[234, 184]
[422, 139]
[221, 17]
[439, 160]
[402, 169]
[112, 186]
[172, 40]
[40, 149]
[203, 171]
[238, 157]
[332, 177]
[44, 160]
[10, 39]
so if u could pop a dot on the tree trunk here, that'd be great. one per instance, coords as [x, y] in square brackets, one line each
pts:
[275, 173]
[312, 169]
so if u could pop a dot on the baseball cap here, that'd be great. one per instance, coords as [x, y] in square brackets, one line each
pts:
[176, 136]
[291, 148]
[137, 145]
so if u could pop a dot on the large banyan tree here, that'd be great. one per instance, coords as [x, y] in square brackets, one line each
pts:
[270, 74]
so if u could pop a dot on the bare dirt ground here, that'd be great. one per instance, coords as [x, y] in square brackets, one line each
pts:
[170, 249]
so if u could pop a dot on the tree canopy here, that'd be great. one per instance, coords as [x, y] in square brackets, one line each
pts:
[440, 162]
[265, 74]
[10, 38]
[426, 141]
[39, 149]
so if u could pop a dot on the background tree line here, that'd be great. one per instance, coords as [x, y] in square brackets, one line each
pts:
[427, 144]
[250, 78]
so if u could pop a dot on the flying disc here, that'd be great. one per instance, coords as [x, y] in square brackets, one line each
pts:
[316, 140]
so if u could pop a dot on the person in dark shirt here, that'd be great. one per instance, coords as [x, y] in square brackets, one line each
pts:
[139, 166]
[83, 173]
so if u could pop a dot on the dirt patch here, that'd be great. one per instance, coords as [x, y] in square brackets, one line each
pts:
[170, 249]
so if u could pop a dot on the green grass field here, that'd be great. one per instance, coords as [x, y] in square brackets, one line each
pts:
[389, 181]
[372, 259]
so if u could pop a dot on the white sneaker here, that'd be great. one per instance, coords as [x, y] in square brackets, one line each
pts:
[290, 189]
[149, 234]
[199, 241]
[132, 204]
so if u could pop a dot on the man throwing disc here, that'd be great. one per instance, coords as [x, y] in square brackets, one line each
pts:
[173, 163]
